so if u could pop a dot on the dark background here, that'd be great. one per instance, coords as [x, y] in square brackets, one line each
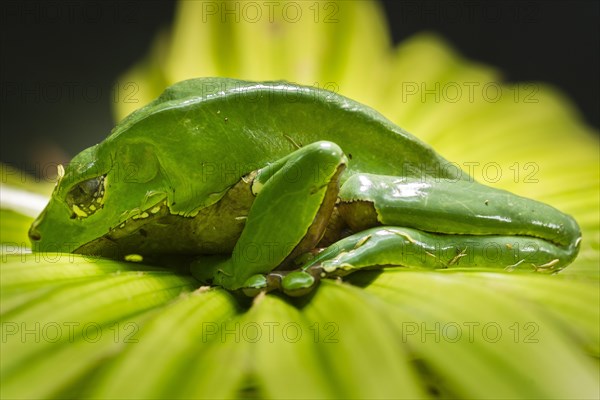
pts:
[78, 49]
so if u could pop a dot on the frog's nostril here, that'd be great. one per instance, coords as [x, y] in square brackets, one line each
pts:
[34, 234]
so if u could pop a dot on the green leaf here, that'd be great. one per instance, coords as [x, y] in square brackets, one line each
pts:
[495, 325]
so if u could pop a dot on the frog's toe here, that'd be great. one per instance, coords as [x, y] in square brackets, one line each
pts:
[298, 283]
[293, 283]
[254, 285]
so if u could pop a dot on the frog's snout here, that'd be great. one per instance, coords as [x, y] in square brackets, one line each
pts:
[34, 234]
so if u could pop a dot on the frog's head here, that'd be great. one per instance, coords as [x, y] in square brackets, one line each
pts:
[94, 194]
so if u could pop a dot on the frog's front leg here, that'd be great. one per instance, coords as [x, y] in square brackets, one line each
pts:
[445, 224]
[295, 197]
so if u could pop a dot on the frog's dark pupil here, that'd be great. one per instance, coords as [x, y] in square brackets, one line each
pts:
[84, 191]
[89, 187]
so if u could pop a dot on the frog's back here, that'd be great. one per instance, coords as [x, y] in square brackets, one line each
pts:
[209, 132]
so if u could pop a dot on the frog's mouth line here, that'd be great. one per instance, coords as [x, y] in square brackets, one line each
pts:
[158, 233]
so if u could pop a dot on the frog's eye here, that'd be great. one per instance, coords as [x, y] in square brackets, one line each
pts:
[86, 197]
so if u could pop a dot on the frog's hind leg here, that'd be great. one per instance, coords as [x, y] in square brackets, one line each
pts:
[408, 248]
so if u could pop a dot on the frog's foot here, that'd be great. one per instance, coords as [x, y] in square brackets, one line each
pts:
[293, 283]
